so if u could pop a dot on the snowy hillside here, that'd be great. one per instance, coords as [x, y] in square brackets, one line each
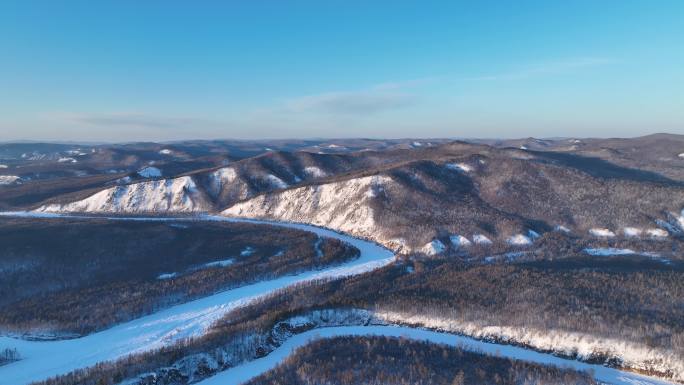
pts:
[165, 195]
[343, 205]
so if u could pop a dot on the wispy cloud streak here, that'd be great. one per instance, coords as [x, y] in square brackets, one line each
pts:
[547, 68]
[375, 99]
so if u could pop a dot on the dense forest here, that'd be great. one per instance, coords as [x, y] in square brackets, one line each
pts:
[624, 298]
[74, 277]
[399, 361]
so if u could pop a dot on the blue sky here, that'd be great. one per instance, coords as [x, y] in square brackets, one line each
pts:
[168, 70]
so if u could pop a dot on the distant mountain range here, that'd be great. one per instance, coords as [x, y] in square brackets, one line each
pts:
[433, 197]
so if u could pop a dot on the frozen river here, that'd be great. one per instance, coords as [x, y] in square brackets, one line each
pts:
[43, 359]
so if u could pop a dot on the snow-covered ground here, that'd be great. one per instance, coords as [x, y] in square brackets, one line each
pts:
[602, 233]
[342, 205]
[519, 240]
[221, 263]
[612, 251]
[220, 178]
[433, 248]
[481, 239]
[8, 179]
[150, 172]
[242, 373]
[167, 276]
[160, 196]
[50, 358]
[631, 354]
[459, 241]
[275, 182]
[608, 251]
[43, 359]
[459, 167]
[315, 172]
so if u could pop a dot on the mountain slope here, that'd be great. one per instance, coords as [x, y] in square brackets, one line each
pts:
[164, 195]
[437, 199]
[460, 191]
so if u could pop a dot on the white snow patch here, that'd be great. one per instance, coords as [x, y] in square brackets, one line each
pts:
[631, 232]
[681, 155]
[67, 159]
[584, 346]
[680, 219]
[163, 195]
[339, 205]
[562, 229]
[221, 263]
[523, 147]
[459, 241]
[8, 179]
[165, 327]
[608, 251]
[481, 239]
[150, 172]
[315, 172]
[459, 167]
[220, 178]
[611, 251]
[533, 234]
[657, 233]
[376, 188]
[3, 166]
[246, 371]
[519, 240]
[275, 181]
[247, 251]
[124, 180]
[165, 151]
[433, 248]
[601, 232]
[166, 276]
[513, 255]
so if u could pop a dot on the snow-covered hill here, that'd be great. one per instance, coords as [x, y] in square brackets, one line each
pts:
[159, 196]
[409, 198]
[343, 205]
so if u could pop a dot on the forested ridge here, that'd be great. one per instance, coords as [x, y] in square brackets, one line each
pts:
[399, 361]
[597, 297]
[73, 277]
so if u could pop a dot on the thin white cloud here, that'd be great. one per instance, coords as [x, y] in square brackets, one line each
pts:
[378, 98]
[137, 120]
[359, 102]
[547, 68]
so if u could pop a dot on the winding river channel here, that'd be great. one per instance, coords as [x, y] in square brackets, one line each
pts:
[43, 359]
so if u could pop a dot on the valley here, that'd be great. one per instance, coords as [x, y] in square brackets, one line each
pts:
[505, 246]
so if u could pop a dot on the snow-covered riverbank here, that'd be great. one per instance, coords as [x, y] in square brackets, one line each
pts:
[251, 369]
[43, 359]
[50, 358]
